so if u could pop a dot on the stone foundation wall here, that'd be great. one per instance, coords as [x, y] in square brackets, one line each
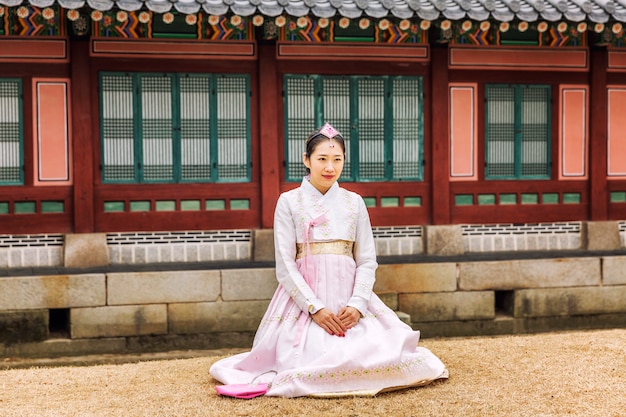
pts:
[152, 310]
[110, 311]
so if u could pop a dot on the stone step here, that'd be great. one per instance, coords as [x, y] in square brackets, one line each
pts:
[390, 298]
[406, 318]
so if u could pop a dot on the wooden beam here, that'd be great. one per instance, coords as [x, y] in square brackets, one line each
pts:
[440, 131]
[271, 149]
[83, 141]
[35, 50]
[369, 52]
[519, 58]
[598, 199]
[172, 49]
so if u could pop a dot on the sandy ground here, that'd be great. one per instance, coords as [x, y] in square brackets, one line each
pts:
[554, 374]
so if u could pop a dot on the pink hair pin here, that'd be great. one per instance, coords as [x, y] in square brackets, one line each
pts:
[329, 131]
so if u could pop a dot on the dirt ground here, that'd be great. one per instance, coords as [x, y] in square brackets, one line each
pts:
[553, 374]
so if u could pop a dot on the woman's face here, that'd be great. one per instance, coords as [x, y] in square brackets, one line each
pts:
[325, 164]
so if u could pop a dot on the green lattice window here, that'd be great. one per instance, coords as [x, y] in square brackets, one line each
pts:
[11, 132]
[380, 117]
[517, 132]
[172, 128]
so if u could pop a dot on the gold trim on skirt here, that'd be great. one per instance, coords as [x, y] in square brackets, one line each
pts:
[336, 247]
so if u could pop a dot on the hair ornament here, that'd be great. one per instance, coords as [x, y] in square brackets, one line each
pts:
[330, 132]
[326, 132]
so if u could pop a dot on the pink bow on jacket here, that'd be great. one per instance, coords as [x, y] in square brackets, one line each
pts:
[309, 271]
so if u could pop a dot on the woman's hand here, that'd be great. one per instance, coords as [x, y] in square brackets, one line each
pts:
[349, 316]
[329, 322]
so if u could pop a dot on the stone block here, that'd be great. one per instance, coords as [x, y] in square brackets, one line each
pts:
[84, 250]
[382, 247]
[263, 245]
[614, 270]
[509, 325]
[569, 301]
[532, 273]
[221, 343]
[248, 284]
[16, 258]
[417, 246]
[444, 306]
[410, 278]
[40, 256]
[162, 287]
[230, 252]
[4, 257]
[602, 235]
[464, 328]
[568, 323]
[53, 348]
[23, 326]
[244, 251]
[52, 291]
[232, 316]
[118, 321]
[444, 240]
[165, 255]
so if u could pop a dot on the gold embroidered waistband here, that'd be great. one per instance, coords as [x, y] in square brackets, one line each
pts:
[336, 247]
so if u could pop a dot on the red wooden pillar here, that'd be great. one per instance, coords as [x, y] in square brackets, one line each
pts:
[440, 132]
[598, 193]
[269, 147]
[82, 139]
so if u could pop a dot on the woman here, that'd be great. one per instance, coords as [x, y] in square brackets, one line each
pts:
[325, 333]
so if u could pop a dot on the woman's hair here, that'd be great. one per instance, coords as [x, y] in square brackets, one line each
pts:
[316, 138]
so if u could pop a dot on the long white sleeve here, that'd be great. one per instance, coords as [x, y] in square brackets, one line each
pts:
[365, 258]
[287, 272]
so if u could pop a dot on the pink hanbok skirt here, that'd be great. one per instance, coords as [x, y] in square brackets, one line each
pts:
[298, 358]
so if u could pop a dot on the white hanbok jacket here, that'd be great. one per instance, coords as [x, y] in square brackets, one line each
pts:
[342, 215]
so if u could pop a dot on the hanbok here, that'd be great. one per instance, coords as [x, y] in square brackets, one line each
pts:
[325, 257]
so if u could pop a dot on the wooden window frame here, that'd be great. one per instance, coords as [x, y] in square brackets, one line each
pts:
[518, 176]
[20, 110]
[214, 141]
[353, 173]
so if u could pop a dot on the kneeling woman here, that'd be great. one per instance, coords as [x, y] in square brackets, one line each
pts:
[325, 333]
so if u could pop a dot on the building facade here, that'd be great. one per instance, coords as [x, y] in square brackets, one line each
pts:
[192, 116]
[151, 132]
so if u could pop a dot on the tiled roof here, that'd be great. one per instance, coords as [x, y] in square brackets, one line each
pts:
[597, 11]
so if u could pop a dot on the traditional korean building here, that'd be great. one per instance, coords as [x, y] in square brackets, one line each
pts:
[137, 133]
[168, 116]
